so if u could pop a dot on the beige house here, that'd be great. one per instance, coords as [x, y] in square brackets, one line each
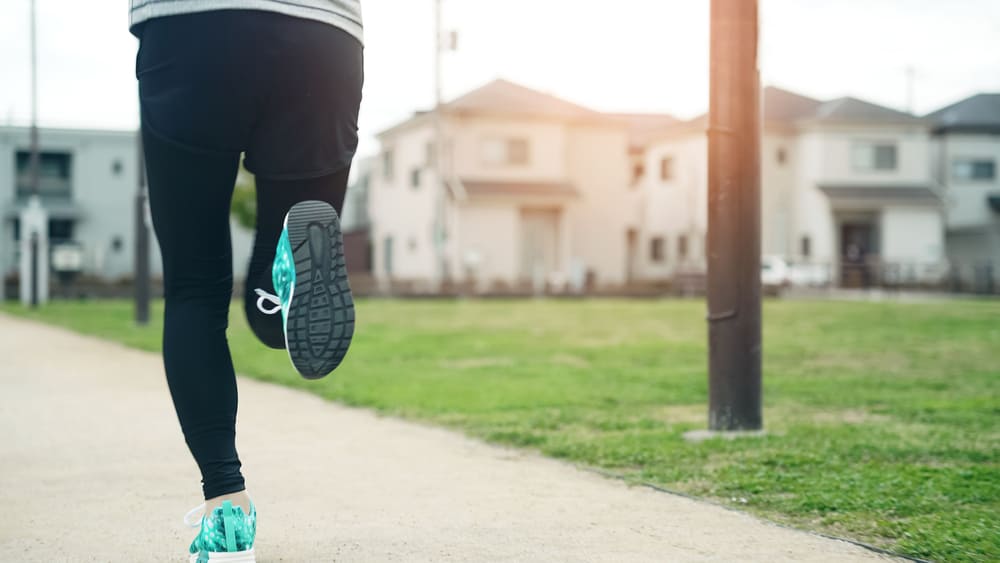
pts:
[846, 186]
[535, 193]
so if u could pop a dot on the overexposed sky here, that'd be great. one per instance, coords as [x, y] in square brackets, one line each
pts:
[625, 56]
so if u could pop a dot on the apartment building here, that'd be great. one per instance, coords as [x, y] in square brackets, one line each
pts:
[87, 186]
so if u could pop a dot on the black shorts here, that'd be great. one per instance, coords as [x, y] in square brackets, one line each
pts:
[284, 90]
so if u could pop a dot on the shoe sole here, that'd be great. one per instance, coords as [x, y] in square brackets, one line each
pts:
[227, 557]
[320, 319]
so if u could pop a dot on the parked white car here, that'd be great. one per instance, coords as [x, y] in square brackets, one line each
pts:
[774, 273]
[778, 273]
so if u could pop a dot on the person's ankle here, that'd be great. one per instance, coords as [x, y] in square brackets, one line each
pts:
[239, 498]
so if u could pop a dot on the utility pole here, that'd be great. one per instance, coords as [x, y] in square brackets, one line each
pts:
[734, 307]
[440, 231]
[142, 290]
[34, 267]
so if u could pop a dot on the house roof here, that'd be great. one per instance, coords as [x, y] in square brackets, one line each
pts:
[518, 189]
[975, 114]
[784, 105]
[643, 126]
[853, 110]
[508, 98]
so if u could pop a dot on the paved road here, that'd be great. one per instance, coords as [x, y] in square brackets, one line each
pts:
[93, 468]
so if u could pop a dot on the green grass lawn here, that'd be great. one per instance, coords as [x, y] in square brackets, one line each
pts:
[883, 420]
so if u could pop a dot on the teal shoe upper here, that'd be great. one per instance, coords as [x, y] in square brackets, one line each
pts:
[283, 273]
[227, 529]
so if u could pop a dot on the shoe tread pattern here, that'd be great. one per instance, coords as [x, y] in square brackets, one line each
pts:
[321, 315]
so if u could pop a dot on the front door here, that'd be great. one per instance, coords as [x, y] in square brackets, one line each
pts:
[857, 249]
[539, 244]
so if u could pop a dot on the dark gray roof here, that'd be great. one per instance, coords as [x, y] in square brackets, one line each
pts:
[976, 114]
[518, 189]
[853, 195]
[852, 110]
[783, 105]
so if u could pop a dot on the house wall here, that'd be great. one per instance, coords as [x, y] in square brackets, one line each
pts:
[598, 166]
[966, 204]
[490, 232]
[546, 149]
[673, 207]
[777, 190]
[812, 214]
[913, 154]
[402, 212]
[912, 235]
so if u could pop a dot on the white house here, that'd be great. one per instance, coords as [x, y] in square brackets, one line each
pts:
[88, 182]
[535, 192]
[967, 147]
[845, 184]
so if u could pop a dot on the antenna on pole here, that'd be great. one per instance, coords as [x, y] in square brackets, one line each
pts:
[441, 44]
[911, 85]
[34, 159]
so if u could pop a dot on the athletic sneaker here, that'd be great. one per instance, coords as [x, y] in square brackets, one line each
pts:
[314, 297]
[226, 534]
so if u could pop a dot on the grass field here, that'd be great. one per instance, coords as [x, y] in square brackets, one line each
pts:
[883, 420]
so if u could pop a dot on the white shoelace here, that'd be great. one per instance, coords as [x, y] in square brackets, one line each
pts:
[187, 517]
[262, 297]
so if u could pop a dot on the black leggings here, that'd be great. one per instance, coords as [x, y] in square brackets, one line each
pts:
[190, 193]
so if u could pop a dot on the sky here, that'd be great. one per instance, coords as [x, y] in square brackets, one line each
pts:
[621, 56]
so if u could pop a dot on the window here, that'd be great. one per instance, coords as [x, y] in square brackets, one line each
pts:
[805, 246]
[388, 166]
[682, 247]
[505, 151]
[60, 230]
[54, 174]
[868, 156]
[415, 178]
[973, 169]
[638, 170]
[781, 155]
[667, 168]
[658, 249]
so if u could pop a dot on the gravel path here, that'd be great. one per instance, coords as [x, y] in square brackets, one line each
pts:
[93, 468]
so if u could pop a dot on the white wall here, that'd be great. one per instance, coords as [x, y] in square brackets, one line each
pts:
[403, 212]
[812, 214]
[674, 207]
[913, 153]
[491, 230]
[913, 238]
